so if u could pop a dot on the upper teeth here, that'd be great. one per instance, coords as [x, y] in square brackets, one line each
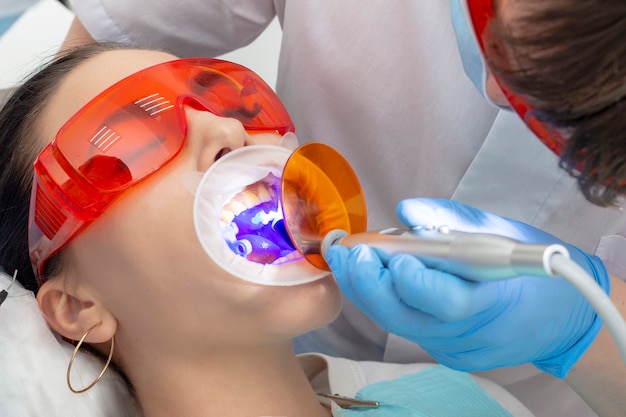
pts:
[251, 196]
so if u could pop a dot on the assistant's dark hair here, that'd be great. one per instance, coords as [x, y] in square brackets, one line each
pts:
[19, 146]
[568, 58]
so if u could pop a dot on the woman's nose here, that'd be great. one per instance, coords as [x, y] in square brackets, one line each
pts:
[211, 137]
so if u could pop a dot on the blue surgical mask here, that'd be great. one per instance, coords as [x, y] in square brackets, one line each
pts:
[471, 57]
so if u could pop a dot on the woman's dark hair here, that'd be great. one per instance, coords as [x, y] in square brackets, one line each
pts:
[19, 146]
[568, 58]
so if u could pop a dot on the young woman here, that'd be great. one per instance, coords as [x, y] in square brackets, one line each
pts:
[117, 263]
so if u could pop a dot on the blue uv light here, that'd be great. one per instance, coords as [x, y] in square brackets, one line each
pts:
[261, 233]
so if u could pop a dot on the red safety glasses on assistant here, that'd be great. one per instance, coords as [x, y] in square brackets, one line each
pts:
[480, 12]
[129, 131]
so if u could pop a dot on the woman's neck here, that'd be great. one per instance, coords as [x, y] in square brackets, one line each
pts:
[257, 381]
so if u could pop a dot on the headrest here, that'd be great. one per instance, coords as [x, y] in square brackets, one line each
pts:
[33, 362]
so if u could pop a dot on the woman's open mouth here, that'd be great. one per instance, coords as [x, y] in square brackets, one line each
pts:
[253, 226]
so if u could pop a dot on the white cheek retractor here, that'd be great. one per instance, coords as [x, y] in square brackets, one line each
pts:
[239, 219]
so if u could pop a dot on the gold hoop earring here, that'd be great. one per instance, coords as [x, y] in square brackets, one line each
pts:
[76, 349]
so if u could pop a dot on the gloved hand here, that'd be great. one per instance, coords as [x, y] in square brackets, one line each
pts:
[473, 326]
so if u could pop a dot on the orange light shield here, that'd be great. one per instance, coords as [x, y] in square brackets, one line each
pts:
[320, 192]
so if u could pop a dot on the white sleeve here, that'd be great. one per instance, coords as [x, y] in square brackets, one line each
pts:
[189, 28]
[612, 250]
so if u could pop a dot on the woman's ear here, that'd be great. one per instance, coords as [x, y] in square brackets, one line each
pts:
[72, 313]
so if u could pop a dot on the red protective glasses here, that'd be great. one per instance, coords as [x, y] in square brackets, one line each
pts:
[480, 12]
[128, 132]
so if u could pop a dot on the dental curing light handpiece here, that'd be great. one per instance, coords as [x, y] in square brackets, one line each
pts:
[473, 256]
[484, 257]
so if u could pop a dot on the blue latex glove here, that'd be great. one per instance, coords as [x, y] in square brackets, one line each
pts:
[473, 326]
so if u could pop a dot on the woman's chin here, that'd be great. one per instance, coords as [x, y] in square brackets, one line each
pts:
[310, 306]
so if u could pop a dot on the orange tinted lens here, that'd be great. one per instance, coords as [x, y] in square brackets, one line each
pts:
[480, 12]
[231, 90]
[136, 124]
[130, 131]
[320, 192]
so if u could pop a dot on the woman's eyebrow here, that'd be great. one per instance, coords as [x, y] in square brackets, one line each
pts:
[206, 80]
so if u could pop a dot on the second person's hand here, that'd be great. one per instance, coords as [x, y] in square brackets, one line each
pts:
[468, 325]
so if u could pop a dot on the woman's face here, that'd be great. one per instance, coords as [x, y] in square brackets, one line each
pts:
[142, 259]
